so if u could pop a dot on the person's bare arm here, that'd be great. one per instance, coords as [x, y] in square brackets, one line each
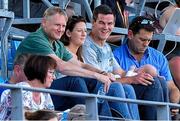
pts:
[140, 78]
[72, 68]
[114, 38]
[91, 68]
[86, 66]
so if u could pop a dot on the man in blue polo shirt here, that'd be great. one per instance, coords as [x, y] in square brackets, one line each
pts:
[136, 51]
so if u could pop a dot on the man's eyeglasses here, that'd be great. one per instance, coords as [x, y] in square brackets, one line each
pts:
[52, 72]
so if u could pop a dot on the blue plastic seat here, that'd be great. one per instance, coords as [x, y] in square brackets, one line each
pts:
[11, 53]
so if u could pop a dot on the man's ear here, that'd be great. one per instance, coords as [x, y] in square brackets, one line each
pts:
[130, 34]
[93, 21]
[68, 33]
[43, 22]
[17, 68]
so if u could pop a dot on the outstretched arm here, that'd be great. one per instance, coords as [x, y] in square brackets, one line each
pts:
[72, 68]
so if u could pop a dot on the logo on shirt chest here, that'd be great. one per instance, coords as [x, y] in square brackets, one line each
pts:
[111, 62]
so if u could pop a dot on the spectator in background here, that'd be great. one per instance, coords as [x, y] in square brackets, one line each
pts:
[38, 76]
[129, 2]
[18, 73]
[37, 7]
[137, 52]
[70, 11]
[118, 7]
[167, 12]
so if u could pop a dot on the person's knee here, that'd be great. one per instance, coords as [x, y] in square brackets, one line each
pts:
[74, 83]
[156, 84]
[116, 89]
[129, 91]
[150, 69]
[164, 85]
[117, 85]
[128, 87]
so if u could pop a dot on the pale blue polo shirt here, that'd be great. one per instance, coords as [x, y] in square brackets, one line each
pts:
[100, 57]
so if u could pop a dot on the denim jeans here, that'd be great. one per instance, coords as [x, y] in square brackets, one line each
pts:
[130, 94]
[165, 90]
[87, 85]
[76, 84]
[152, 92]
[116, 90]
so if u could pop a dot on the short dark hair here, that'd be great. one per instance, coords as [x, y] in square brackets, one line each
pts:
[72, 21]
[40, 115]
[36, 67]
[141, 22]
[21, 60]
[102, 9]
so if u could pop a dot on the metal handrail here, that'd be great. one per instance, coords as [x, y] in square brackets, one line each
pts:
[91, 100]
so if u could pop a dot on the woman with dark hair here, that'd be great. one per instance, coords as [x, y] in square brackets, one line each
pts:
[39, 71]
[75, 35]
